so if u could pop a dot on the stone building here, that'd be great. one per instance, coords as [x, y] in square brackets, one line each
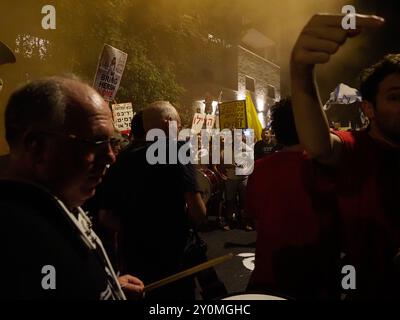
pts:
[234, 70]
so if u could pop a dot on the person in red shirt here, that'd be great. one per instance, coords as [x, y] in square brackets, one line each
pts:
[294, 210]
[367, 162]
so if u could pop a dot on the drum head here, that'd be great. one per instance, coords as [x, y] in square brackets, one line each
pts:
[253, 296]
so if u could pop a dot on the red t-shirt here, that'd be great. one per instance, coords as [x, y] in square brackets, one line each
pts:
[368, 200]
[296, 248]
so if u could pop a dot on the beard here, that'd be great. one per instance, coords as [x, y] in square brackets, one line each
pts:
[390, 128]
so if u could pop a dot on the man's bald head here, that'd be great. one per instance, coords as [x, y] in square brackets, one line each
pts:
[157, 115]
[59, 131]
[49, 104]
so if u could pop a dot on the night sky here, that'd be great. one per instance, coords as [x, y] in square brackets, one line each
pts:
[366, 50]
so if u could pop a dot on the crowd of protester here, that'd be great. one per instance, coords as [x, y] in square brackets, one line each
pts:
[320, 199]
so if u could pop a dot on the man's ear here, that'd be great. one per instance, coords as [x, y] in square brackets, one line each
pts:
[368, 109]
[166, 124]
[35, 144]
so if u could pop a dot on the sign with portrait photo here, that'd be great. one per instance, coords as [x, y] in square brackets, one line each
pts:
[109, 72]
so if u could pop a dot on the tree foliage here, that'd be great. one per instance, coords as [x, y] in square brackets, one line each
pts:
[165, 41]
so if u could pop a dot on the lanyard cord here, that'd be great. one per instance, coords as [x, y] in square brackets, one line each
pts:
[92, 241]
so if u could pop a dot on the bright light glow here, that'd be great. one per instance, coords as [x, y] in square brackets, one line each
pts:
[261, 117]
[241, 96]
[214, 105]
[28, 46]
[199, 106]
[260, 104]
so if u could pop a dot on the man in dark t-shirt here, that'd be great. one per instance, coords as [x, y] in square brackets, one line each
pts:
[150, 201]
[265, 146]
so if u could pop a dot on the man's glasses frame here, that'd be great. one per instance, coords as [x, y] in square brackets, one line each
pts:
[95, 144]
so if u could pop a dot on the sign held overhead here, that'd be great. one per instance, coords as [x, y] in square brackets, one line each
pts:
[109, 72]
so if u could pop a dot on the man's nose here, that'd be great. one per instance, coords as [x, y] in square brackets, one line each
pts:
[109, 155]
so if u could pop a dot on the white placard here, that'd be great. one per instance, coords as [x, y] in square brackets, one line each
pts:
[109, 72]
[210, 121]
[122, 115]
[198, 121]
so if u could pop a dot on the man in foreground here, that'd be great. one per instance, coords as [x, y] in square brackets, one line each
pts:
[366, 162]
[59, 131]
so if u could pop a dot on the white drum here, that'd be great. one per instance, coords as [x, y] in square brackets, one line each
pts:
[253, 296]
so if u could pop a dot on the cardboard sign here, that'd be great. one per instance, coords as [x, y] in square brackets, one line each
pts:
[109, 72]
[210, 121]
[198, 121]
[232, 115]
[122, 115]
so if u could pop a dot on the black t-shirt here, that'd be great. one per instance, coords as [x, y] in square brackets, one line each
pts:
[150, 200]
[37, 233]
[262, 148]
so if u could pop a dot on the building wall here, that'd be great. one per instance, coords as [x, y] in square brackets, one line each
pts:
[264, 73]
[227, 73]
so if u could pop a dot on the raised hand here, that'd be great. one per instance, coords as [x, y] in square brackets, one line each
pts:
[323, 35]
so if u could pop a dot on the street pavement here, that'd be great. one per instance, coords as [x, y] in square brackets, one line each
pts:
[234, 273]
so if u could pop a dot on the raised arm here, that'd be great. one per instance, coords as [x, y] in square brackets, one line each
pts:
[321, 37]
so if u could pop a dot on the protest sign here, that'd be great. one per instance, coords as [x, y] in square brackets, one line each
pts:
[232, 115]
[198, 121]
[109, 72]
[122, 115]
[210, 121]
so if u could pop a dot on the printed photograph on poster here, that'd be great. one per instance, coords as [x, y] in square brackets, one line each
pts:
[109, 72]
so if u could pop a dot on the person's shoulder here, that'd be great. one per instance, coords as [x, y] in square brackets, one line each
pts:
[279, 159]
[277, 156]
[352, 136]
[265, 162]
[355, 141]
[23, 193]
[133, 154]
[30, 206]
[259, 143]
[29, 216]
[133, 150]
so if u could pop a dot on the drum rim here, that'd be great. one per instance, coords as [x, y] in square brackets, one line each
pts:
[213, 181]
[256, 292]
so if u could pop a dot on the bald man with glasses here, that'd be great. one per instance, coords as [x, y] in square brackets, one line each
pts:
[59, 131]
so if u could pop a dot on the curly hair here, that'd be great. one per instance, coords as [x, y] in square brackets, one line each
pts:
[282, 123]
[371, 77]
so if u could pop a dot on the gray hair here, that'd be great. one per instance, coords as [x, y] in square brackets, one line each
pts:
[157, 112]
[38, 105]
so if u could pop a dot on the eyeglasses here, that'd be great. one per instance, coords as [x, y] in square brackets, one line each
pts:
[91, 144]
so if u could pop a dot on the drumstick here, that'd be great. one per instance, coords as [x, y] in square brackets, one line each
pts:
[188, 272]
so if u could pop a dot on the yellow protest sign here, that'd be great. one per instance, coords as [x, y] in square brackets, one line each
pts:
[232, 115]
